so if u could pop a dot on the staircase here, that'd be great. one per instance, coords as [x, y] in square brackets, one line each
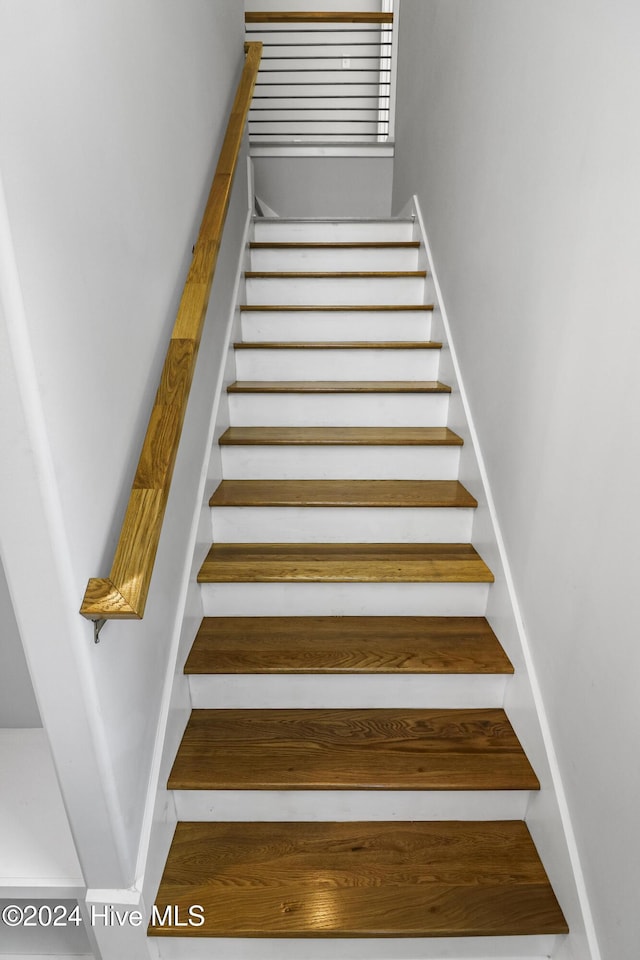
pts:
[348, 770]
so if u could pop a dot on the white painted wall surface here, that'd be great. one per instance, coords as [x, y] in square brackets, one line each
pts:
[517, 127]
[325, 186]
[18, 707]
[112, 119]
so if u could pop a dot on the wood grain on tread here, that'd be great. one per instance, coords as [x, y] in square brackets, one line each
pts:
[338, 345]
[342, 493]
[376, 879]
[380, 749]
[339, 436]
[343, 563]
[338, 386]
[313, 16]
[321, 307]
[352, 245]
[331, 274]
[447, 645]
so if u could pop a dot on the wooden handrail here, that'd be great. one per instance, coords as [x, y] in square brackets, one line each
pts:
[123, 594]
[324, 16]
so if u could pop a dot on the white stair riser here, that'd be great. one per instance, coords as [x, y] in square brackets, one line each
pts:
[333, 258]
[339, 463]
[336, 325]
[338, 410]
[331, 231]
[344, 599]
[365, 691]
[330, 806]
[384, 948]
[340, 364]
[335, 290]
[342, 524]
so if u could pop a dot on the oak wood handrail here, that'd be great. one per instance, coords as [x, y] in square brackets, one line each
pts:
[323, 16]
[123, 594]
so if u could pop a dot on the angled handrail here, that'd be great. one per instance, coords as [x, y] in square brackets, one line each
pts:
[123, 594]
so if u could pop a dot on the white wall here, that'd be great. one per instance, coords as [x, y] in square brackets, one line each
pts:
[18, 707]
[113, 115]
[325, 186]
[517, 127]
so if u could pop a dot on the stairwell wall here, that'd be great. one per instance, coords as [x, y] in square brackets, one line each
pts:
[113, 117]
[295, 186]
[18, 707]
[517, 128]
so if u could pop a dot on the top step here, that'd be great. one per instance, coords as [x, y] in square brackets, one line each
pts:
[279, 230]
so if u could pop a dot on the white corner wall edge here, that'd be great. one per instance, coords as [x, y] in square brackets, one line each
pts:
[588, 934]
[156, 793]
[36, 551]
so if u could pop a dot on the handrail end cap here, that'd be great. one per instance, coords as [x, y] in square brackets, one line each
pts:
[103, 601]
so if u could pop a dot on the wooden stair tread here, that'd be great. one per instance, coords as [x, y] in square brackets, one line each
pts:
[339, 436]
[351, 749]
[330, 245]
[342, 493]
[343, 563]
[332, 274]
[318, 16]
[338, 386]
[375, 879]
[432, 645]
[337, 345]
[324, 307]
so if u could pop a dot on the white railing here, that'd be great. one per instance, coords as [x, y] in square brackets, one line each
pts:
[324, 78]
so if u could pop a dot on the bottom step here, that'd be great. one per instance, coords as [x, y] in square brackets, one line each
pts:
[430, 879]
